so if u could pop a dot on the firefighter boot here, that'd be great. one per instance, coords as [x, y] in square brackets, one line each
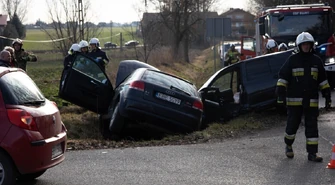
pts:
[314, 157]
[289, 151]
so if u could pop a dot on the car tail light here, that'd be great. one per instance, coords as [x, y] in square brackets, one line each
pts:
[197, 104]
[139, 85]
[22, 119]
[54, 103]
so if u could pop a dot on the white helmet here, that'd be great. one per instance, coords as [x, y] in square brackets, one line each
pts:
[94, 41]
[304, 37]
[282, 46]
[74, 47]
[271, 44]
[18, 41]
[83, 44]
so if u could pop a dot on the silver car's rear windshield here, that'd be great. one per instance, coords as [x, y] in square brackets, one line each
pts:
[156, 77]
[19, 88]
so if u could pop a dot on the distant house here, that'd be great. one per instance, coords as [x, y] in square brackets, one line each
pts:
[3, 22]
[154, 31]
[242, 22]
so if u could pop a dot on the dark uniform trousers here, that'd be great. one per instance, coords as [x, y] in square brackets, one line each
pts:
[294, 114]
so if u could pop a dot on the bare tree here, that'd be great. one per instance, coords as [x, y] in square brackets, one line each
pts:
[64, 25]
[19, 7]
[151, 36]
[132, 34]
[180, 17]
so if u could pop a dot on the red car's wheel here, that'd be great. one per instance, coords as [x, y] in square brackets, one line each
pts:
[7, 170]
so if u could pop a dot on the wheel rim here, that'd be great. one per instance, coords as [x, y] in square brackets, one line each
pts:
[2, 174]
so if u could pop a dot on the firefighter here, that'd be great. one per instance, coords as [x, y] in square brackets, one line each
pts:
[271, 46]
[75, 48]
[300, 79]
[21, 56]
[282, 47]
[96, 53]
[83, 44]
[232, 55]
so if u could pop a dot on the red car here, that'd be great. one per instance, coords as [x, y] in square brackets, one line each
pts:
[32, 135]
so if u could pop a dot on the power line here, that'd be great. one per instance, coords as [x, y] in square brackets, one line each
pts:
[38, 41]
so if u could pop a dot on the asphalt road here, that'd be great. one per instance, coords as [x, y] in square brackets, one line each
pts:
[254, 159]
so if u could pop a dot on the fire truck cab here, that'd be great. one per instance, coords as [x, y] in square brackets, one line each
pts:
[284, 22]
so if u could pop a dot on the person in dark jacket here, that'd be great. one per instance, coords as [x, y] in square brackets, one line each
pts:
[21, 56]
[75, 48]
[83, 44]
[5, 58]
[97, 54]
[300, 79]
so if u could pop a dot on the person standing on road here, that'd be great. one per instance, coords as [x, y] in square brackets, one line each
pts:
[21, 56]
[300, 79]
[232, 56]
[5, 58]
[96, 53]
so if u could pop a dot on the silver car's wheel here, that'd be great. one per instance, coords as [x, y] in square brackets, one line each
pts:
[7, 170]
[117, 121]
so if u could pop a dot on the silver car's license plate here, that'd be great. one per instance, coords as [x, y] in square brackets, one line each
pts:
[56, 150]
[168, 98]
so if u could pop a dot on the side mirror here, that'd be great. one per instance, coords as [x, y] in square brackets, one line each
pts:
[261, 25]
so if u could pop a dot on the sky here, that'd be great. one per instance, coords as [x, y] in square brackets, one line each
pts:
[121, 11]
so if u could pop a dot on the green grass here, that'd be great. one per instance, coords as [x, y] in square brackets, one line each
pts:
[34, 36]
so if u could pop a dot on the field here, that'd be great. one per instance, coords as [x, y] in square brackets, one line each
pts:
[38, 40]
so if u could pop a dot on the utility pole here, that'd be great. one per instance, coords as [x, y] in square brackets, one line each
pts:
[81, 19]
[111, 25]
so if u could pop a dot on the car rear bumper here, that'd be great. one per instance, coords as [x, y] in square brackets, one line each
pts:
[31, 153]
[160, 116]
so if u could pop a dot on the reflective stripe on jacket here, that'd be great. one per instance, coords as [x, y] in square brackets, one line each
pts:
[303, 76]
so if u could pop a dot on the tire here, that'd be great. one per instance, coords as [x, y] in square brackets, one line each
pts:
[30, 176]
[7, 170]
[104, 127]
[116, 124]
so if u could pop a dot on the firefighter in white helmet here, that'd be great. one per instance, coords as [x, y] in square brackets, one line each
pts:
[75, 48]
[282, 47]
[96, 53]
[83, 44]
[271, 46]
[300, 79]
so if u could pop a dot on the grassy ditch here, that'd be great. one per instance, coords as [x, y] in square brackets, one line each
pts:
[82, 125]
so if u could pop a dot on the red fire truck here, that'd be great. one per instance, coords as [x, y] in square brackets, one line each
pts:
[284, 22]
